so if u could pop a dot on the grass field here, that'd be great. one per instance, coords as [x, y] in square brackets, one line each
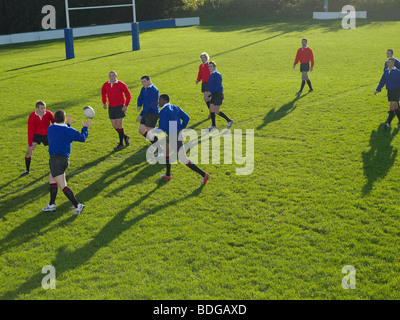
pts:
[324, 192]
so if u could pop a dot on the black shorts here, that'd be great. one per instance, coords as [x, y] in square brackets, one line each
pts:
[39, 138]
[393, 95]
[304, 67]
[204, 86]
[216, 98]
[58, 164]
[150, 120]
[116, 113]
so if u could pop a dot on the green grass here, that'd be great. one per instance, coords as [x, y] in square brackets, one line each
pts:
[323, 193]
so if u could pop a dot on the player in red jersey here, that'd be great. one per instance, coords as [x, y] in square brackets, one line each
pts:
[305, 56]
[119, 97]
[38, 122]
[203, 75]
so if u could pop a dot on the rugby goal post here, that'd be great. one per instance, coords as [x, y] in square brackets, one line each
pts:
[69, 35]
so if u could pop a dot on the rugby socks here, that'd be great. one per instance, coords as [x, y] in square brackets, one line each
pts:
[121, 135]
[195, 168]
[168, 166]
[390, 118]
[303, 83]
[397, 111]
[223, 115]
[213, 119]
[309, 84]
[71, 197]
[53, 193]
[155, 139]
[28, 163]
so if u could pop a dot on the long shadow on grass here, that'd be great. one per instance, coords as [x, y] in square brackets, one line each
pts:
[33, 227]
[66, 261]
[282, 112]
[380, 158]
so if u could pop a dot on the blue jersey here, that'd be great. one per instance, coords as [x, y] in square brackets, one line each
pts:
[391, 79]
[60, 137]
[215, 82]
[170, 113]
[148, 98]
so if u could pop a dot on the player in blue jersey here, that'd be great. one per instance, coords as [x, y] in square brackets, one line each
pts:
[391, 79]
[216, 90]
[172, 120]
[148, 117]
[389, 54]
[60, 136]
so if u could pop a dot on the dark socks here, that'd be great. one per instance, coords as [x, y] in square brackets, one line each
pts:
[155, 139]
[390, 118]
[195, 168]
[70, 195]
[208, 104]
[223, 115]
[168, 166]
[28, 163]
[397, 111]
[309, 84]
[302, 85]
[213, 118]
[121, 135]
[53, 192]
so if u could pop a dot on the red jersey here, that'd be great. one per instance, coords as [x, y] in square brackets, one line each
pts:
[204, 73]
[39, 125]
[115, 94]
[304, 55]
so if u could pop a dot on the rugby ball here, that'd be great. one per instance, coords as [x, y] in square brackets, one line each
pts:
[88, 112]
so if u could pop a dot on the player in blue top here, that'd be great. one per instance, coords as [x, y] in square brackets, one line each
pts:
[61, 136]
[148, 117]
[389, 54]
[172, 120]
[391, 78]
[217, 95]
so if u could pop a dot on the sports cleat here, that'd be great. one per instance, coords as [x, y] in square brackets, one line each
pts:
[230, 123]
[118, 147]
[25, 173]
[49, 207]
[211, 128]
[79, 209]
[311, 90]
[205, 178]
[165, 177]
[386, 126]
[126, 139]
[299, 93]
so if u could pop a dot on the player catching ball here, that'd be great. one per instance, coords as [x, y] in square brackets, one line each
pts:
[391, 78]
[61, 135]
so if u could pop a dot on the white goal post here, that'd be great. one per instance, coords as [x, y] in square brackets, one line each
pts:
[68, 33]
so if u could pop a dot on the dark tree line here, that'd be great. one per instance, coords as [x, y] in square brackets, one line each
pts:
[26, 15]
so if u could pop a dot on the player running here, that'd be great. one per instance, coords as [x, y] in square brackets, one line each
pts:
[178, 119]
